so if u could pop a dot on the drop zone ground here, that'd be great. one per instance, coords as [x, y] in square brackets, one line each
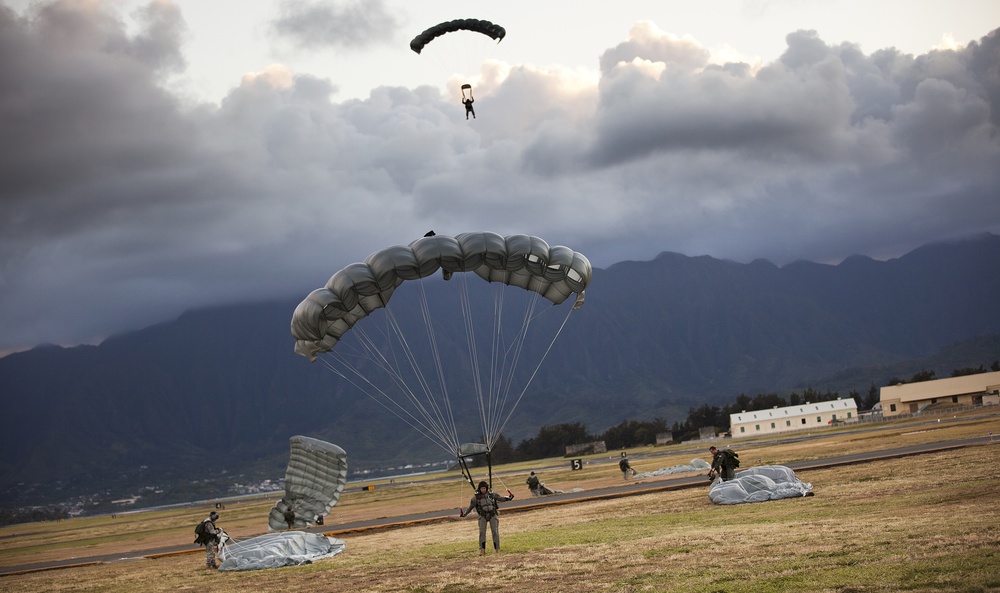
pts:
[927, 522]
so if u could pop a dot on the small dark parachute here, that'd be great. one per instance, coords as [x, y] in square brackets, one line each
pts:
[475, 25]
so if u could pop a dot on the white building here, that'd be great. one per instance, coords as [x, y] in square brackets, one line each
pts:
[789, 418]
[969, 390]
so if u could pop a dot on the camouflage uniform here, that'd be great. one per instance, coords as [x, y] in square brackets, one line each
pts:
[212, 545]
[722, 463]
[533, 484]
[626, 468]
[487, 507]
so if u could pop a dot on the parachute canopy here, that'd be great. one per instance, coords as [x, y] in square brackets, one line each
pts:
[314, 480]
[274, 550]
[475, 25]
[758, 484]
[430, 351]
[327, 313]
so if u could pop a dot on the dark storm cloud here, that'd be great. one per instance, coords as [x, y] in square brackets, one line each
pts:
[325, 23]
[122, 205]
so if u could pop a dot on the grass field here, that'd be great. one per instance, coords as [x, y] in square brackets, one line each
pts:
[924, 523]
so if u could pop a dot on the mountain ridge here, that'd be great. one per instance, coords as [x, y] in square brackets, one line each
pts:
[219, 389]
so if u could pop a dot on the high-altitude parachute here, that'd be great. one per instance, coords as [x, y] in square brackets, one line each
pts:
[314, 480]
[475, 25]
[274, 550]
[411, 356]
[758, 484]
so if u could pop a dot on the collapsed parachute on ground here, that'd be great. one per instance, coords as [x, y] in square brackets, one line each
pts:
[758, 484]
[314, 480]
[696, 465]
[274, 550]
[468, 337]
[475, 25]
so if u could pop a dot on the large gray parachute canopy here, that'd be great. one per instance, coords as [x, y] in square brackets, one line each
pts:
[314, 481]
[759, 484]
[475, 25]
[556, 273]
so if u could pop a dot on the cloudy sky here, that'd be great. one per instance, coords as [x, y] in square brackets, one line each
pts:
[160, 156]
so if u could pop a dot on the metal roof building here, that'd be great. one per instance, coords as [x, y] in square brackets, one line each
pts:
[969, 390]
[789, 418]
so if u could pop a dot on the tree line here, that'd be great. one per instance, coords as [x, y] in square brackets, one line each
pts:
[551, 441]
[31, 515]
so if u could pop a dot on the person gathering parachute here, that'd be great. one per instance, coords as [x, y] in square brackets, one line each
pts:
[396, 358]
[537, 487]
[314, 481]
[477, 26]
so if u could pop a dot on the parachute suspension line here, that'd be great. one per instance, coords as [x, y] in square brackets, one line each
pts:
[435, 421]
[473, 351]
[448, 417]
[444, 421]
[398, 411]
[506, 365]
[496, 370]
[467, 473]
[431, 420]
[535, 372]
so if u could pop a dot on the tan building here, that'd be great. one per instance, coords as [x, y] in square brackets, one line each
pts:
[789, 418]
[969, 390]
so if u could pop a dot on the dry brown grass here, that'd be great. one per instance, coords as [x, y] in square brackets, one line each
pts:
[926, 523]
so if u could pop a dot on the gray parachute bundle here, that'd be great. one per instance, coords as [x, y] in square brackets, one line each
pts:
[696, 465]
[314, 480]
[274, 550]
[758, 484]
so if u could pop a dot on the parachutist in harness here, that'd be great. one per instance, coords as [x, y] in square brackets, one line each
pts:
[208, 535]
[468, 101]
[486, 503]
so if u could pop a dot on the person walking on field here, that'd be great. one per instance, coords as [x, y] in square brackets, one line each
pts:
[486, 503]
[626, 467]
[724, 463]
[208, 536]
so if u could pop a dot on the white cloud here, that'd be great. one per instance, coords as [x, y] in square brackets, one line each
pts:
[122, 204]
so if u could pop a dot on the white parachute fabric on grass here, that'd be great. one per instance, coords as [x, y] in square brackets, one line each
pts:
[758, 484]
[274, 550]
[314, 480]
[696, 465]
